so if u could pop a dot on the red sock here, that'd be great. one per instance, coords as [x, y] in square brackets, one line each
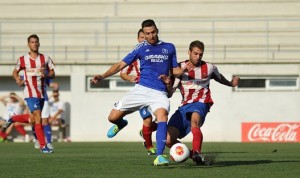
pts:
[197, 139]
[147, 134]
[3, 135]
[20, 129]
[40, 134]
[153, 126]
[24, 118]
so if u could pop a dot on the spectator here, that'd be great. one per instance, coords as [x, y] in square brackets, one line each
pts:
[14, 105]
[57, 108]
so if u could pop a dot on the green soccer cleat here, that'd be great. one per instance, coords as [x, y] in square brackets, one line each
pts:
[115, 129]
[161, 161]
[151, 151]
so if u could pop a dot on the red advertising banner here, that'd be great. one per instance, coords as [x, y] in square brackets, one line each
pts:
[271, 132]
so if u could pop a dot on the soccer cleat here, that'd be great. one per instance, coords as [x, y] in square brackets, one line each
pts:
[36, 144]
[115, 129]
[198, 158]
[50, 146]
[46, 150]
[161, 161]
[151, 151]
[8, 123]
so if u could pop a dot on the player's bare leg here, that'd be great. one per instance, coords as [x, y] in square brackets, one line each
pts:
[116, 117]
[172, 135]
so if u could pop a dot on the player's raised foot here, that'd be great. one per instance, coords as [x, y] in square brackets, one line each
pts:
[198, 158]
[161, 160]
[9, 121]
[115, 129]
[151, 151]
[50, 146]
[46, 150]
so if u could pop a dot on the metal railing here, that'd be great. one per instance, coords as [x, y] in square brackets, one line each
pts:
[109, 40]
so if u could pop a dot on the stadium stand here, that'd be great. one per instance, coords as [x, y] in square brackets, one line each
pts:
[84, 37]
[104, 30]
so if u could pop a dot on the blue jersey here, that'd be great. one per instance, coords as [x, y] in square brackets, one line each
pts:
[48, 82]
[155, 60]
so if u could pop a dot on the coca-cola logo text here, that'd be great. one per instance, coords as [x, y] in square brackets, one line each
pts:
[270, 132]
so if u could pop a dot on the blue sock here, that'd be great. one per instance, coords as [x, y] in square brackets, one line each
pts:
[33, 133]
[121, 123]
[161, 137]
[48, 132]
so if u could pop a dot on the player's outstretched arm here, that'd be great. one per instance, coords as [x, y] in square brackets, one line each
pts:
[169, 81]
[179, 71]
[111, 71]
[233, 83]
[129, 78]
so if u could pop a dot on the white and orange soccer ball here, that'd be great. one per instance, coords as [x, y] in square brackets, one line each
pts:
[179, 152]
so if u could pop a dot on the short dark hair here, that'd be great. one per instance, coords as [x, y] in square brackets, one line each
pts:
[198, 44]
[148, 23]
[12, 93]
[33, 36]
[140, 31]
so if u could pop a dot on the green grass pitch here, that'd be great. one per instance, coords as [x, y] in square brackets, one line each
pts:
[129, 159]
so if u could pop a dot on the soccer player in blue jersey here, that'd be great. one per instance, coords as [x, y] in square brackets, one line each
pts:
[131, 73]
[157, 59]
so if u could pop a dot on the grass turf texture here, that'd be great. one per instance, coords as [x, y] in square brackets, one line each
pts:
[123, 159]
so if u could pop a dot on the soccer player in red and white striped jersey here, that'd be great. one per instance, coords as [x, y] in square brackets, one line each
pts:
[34, 65]
[196, 99]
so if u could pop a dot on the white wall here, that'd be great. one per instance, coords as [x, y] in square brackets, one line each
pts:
[89, 110]
[223, 123]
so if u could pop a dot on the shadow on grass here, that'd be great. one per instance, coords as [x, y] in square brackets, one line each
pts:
[211, 161]
[240, 163]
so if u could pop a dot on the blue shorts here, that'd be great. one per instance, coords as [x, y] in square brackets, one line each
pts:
[144, 112]
[181, 119]
[35, 104]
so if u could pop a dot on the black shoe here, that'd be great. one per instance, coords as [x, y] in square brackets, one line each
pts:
[8, 123]
[198, 158]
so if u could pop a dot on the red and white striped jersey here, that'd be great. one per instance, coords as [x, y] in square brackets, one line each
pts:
[133, 69]
[194, 84]
[34, 82]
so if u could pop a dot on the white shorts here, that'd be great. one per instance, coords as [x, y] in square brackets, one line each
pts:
[141, 96]
[46, 110]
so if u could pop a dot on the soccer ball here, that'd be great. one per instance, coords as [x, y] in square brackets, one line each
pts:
[179, 152]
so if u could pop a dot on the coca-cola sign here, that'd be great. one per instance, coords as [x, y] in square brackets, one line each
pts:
[271, 132]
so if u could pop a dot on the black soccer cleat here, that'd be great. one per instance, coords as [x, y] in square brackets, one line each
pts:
[198, 158]
[9, 122]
